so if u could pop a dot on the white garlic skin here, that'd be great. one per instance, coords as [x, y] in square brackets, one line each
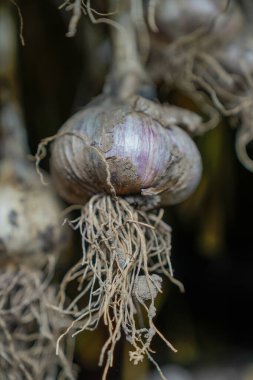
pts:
[30, 228]
[176, 18]
[140, 154]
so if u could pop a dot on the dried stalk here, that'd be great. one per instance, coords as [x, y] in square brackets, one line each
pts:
[127, 75]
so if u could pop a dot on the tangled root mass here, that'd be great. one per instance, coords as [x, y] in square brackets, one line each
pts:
[29, 328]
[125, 251]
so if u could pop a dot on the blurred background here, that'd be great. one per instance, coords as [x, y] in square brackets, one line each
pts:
[212, 241]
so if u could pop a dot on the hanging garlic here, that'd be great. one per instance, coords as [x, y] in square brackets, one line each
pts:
[30, 228]
[30, 239]
[110, 146]
[213, 18]
[120, 154]
[29, 213]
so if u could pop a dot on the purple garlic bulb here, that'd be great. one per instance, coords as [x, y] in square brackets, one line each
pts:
[110, 147]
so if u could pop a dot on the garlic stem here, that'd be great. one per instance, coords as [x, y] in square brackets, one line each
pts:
[127, 75]
[13, 140]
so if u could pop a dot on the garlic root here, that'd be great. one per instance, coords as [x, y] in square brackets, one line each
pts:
[124, 251]
[29, 327]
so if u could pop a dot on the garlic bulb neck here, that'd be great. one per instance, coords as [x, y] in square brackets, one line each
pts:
[13, 139]
[127, 75]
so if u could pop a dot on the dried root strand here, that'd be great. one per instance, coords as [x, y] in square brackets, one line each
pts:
[79, 7]
[244, 137]
[29, 327]
[221, 86]
[204, 72]
[125, 251]
[21, 22]
[197, 68]
[151, 16]
[232, 95]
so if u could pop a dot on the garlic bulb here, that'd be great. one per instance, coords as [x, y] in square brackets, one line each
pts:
[237, 56]
[30, 229]
[29, 213]
[176, 18]
[111, 147]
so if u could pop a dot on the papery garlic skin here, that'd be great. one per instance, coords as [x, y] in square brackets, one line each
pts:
[187, 170]
[110, 145]
[30, 227]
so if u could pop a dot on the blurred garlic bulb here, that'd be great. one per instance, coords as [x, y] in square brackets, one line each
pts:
[177, 18]
[29, 213]
[29, 233]
[30, 228]
[110, 146]
[237, 56]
